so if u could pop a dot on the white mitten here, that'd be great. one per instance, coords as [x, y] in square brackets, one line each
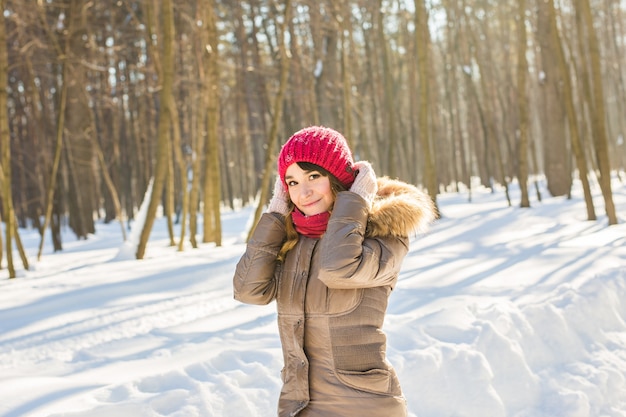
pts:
[365, 183]
[280, 201]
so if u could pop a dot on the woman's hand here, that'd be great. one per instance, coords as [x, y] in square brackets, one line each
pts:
[280, 200]
[365, 183]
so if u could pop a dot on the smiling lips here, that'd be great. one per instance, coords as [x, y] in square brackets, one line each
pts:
[311, 204]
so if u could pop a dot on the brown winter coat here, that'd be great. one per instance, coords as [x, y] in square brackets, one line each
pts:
[331, 296]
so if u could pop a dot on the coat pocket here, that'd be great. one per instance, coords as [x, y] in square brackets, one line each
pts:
[377, 381]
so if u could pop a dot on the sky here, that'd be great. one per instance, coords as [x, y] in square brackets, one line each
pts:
[498, 311]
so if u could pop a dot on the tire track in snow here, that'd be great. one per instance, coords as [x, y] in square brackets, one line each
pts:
[64, 342]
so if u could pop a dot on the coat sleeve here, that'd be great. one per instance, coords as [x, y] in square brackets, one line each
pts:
[348, 259]
[255, 280]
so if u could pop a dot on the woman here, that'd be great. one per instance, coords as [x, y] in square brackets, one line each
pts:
[329, 251]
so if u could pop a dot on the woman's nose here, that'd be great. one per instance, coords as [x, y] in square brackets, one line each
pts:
[305, 190]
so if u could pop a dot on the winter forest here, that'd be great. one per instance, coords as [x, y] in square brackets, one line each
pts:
[106, 100]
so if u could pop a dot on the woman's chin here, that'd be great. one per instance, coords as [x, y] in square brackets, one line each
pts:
[310, 211]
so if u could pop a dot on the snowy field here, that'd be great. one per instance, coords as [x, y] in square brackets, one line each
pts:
[499, 311]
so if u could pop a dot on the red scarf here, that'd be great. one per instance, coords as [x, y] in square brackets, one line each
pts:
[310, 226]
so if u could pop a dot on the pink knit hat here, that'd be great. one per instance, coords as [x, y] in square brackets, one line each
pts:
[320, 146]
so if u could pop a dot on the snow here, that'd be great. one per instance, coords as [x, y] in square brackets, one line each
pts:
[499, 311]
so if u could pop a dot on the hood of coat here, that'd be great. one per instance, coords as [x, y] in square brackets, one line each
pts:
[399, 209]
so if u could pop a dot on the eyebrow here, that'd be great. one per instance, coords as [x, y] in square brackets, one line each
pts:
[308, 171]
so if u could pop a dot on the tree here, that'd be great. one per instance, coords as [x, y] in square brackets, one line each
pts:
[212, 189]
[5, 147]
[522, 69]
[422, 42]
[488, 113]
[551, 112]
[597, 111]
[391, 133]
[278, 103]
[565, 77]
[78, 152]
[430, 100]
[163, 139]
[58, 148]
[5, 158]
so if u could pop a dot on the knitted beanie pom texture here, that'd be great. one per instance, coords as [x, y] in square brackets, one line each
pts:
[321, 146]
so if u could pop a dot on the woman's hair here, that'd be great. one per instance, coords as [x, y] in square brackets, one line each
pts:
[292, 235]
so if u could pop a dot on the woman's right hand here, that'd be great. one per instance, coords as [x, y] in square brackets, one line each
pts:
[280, 200]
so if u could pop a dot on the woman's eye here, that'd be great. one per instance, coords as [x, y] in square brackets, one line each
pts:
[314, 176]
[291, 183]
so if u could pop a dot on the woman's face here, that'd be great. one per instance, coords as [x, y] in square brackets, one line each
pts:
[310, 191]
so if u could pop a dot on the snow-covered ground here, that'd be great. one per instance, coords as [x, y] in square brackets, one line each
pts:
[499, 311]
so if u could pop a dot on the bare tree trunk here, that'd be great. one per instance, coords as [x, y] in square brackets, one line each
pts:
[453, 44]
[422, 42]
[182, 168]
[35, 190]
[492, 136]
[163, 141]
[50, 198]
[488, 118]
[326, 41]
[310, 75]
[168, 198]
[347, 83]
[79, 143]
[246, 160]
[2, 250]
[373, 143]
[111, 187]
[5, 148]
[571, 112]
[196, 163]
[212, 181]
[522, 68]
[278, 101]
[198, 138]
[615, 13]
[552, 117]
[598, 115]
[451, 122]
[391, 139]
[533, 153]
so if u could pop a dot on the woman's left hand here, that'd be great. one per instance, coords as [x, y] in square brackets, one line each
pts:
[365, 183]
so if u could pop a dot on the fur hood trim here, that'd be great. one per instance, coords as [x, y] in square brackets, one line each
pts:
[399, 209]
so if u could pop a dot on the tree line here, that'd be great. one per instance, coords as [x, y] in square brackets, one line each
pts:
[185, 103]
